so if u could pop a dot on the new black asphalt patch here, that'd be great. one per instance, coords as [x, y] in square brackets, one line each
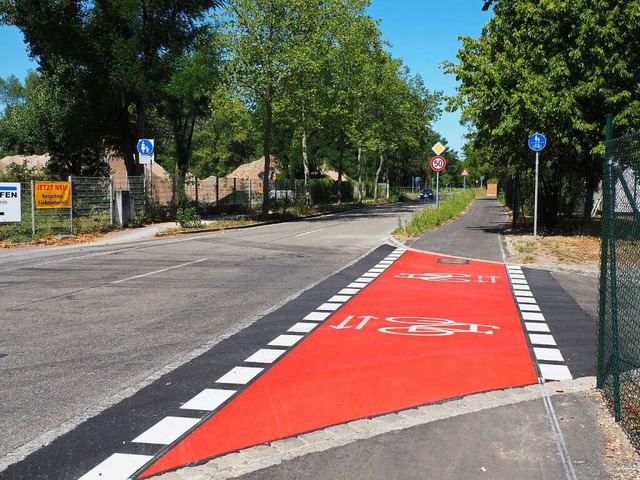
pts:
[75, 453]
[572, 328]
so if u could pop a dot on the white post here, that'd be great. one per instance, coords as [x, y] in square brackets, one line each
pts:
[71, 200]
[33, 209]
[535, 203]
[437, 188]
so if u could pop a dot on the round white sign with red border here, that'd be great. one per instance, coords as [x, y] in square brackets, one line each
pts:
[438, 163]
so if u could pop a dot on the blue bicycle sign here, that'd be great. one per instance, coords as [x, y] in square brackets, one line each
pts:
[537, 142]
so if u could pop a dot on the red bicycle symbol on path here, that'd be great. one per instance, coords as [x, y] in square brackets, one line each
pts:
[417, 326]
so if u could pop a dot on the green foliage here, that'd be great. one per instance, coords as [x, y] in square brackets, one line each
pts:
[21, 172]
[556, 67]
[321, 190]
[187, 217]
[430, 217]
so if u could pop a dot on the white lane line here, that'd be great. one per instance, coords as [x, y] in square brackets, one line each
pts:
[302, 327]
[266, 355]
[329, 307]
[285, 340]
[521, 287]
[555, 372]
[159, 271]
[529, 300]
[317, 316]
[370, 275]
[377, 270]
[522, 293]
[348, 291]
[533, 316]
[357, 285]
[239, 375]
[209, 399]
[514, 267]
[385, 263]
[528, 308]
[518, 281]
[119, 466]
[536, 327]
[548, 354]
[540, 339]
[167, 430]
[311, 231]
[364, 279]
[339, 298]
[516, 275]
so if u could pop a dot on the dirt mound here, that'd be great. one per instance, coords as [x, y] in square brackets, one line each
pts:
[37, 161]
[252, 170]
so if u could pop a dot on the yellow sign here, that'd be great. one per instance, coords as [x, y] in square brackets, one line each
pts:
[438, 148]
[52, 194]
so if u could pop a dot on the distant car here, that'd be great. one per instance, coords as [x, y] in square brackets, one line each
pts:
[426, 193]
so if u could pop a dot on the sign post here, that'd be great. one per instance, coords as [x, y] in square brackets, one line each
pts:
[464, 175]
[438, 164]
[537, 142]
[146, 151]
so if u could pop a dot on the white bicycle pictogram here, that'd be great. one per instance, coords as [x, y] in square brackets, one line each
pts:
[434, 327]
[449, 277]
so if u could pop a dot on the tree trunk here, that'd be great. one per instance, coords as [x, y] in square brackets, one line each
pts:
[305, 161]
[183, 134]
[340, 158]
[267, 155]
[592, 175]
[127, 141]
[359, 173]
[375, 185]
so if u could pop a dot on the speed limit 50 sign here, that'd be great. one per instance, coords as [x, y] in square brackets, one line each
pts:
[438, 163]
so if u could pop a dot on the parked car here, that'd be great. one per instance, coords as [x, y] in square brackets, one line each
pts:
[427, 193]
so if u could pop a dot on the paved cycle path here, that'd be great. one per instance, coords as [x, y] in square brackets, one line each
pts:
[427, 329]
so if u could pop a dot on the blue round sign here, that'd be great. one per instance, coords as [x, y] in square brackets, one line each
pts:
[537, 142]
[145, 147]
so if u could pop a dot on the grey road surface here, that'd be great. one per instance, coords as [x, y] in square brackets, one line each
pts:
[82, 326]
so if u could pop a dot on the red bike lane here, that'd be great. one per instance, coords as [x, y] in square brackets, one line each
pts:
[429, 328]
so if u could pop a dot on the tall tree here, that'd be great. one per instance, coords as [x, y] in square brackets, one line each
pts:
[555, 67]
[119, 55]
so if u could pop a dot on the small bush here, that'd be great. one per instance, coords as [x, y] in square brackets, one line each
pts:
[187, 217]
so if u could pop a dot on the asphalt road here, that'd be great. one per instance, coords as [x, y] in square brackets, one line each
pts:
[83, 327]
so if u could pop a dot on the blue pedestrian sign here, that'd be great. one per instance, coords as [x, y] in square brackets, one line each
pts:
[145, 146]
[537, 142]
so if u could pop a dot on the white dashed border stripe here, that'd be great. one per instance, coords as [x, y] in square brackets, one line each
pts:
[121, 466]
[538, 331]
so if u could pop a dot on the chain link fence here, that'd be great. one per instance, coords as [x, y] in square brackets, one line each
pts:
[618, 361]
[96, 202]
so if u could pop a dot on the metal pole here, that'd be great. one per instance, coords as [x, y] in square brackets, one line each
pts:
[437, 189]
[111, 200]
[249, 194]
[535, 203]
[71, 206]
[33, 209]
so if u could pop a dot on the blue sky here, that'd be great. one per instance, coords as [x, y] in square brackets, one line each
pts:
[423, 33]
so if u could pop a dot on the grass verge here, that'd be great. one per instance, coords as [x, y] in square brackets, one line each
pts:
[448, 209]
